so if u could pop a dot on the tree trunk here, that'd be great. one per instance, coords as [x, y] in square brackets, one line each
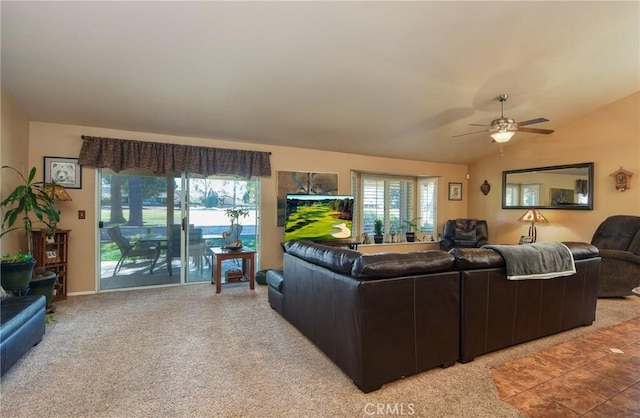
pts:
[115, 214]
[135, 201]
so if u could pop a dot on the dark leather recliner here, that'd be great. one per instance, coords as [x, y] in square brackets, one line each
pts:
[461, 233]
[618, 240]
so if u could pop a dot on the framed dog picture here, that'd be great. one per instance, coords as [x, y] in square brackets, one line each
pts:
[63, 171]
[455, 191]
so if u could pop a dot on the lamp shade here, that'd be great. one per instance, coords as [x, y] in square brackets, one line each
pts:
[533, 216]
[502, 136]
[57, 192]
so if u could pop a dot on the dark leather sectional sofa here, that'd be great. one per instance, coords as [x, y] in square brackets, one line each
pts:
[381, 317]
[497, 313]
[22, 325]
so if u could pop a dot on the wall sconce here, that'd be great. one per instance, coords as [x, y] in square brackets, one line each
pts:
[533, 216]
[485, 187]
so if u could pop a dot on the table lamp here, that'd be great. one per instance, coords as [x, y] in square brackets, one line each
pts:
[533, 216]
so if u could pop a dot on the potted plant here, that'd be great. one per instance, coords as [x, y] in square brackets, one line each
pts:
[16, 270]
[378, 229]
[29, 199]
[411, 225]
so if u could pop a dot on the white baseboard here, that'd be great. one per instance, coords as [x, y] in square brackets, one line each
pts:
[90, 292]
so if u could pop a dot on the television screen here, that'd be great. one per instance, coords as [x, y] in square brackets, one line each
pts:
[318, 217]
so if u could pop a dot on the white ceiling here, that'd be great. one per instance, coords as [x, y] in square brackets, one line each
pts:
[393, 79]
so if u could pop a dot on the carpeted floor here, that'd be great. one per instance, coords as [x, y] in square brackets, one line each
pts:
[187, 352]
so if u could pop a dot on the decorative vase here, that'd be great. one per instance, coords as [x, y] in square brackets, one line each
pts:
[15, 277]
[231, 237]
[44, 285]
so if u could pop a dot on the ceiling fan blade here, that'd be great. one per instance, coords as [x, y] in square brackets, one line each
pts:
[532, 121]
[477, 124]
[536, 130]
[470, 133]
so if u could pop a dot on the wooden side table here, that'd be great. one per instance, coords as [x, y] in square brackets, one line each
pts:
[218, 255]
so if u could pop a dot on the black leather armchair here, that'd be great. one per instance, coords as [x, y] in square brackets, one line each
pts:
[470, 233]
[618, 240]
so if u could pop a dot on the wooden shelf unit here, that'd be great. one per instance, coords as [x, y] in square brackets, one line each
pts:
[51, 253]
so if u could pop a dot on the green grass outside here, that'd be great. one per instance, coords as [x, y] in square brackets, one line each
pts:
[151, 216]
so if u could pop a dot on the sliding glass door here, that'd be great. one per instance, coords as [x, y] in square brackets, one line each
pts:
[208, 200]
[157, 230]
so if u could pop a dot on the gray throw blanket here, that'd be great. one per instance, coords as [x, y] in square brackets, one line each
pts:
[540, 260]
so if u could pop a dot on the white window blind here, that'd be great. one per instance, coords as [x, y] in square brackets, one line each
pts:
[389, 198]
[427, 197]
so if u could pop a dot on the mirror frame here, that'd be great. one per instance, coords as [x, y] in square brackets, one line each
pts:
[588, 206]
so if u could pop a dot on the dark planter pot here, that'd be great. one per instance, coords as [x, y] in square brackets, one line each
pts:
[378, 239]
[15, 277]
[43, 286]
[411, 236]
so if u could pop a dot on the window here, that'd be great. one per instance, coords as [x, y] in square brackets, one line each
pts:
[512, 196]
[394, 199]
[427, 198]
[530, 194]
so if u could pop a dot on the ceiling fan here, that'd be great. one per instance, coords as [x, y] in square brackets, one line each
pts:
[503, 129]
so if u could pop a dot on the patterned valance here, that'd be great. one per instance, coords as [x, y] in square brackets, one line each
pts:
[163, 158]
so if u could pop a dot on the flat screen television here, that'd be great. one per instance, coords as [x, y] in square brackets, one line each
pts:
[318, 217]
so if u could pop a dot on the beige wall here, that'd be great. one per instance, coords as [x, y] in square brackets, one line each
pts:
[48, 139]
[14, 151]
[609, 137]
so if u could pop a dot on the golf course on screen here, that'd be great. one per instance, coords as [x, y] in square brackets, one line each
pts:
[322, 219]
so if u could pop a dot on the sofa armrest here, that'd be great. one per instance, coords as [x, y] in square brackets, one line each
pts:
[620, 255]
[446, 244]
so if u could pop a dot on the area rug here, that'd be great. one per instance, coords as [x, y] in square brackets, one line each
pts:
[592, 376]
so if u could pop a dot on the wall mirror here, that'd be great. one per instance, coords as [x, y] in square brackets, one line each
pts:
[557, 187]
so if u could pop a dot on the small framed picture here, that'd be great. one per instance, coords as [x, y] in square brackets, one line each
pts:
[524, 239]
[63, 171]
[455, 191]
[52, 254]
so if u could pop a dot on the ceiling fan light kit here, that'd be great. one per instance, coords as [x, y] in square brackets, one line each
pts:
[502, 136]
[503, 129]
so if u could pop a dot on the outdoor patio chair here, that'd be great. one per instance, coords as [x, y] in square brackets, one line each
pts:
[197, 247]
[137, 249]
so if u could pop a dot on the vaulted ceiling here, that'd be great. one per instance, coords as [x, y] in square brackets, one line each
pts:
[395, 79]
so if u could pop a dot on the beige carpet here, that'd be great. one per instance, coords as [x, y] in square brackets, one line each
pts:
[187, 352]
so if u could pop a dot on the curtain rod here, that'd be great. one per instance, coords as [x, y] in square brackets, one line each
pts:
[87, 137]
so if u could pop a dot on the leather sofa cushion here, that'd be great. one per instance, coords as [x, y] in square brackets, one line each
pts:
[618, 232]
[476, 258]
[480, 258]
[335, 259]
[582, 250]
[385, 265]
[16, 311]
[462, 235]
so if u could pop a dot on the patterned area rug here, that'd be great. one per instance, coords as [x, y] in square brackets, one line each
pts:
[597, 375]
